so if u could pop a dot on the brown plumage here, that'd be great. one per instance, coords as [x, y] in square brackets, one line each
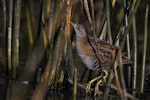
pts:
[96, 54]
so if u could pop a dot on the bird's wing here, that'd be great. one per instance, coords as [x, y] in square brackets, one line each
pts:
[125, 59]
[103, 51]
[101, 43]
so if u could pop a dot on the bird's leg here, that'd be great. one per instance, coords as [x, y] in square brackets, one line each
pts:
[92, 81]
[100, 83]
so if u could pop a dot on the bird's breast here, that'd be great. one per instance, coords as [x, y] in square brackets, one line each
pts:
[86, 54]
[83, 47]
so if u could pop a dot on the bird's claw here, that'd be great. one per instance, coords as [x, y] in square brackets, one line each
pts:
[97, 91]
[101, 81]
[88, 87]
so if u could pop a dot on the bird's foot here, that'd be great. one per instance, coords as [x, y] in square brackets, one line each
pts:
[101, 82]
[105, 76]
[97, 91]
[88, 87]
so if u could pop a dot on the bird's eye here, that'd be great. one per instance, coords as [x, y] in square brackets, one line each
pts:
[78, 27]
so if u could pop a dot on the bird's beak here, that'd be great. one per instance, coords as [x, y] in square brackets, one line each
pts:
[73, 24]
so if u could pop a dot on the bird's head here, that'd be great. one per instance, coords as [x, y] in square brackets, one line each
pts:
[79, 29]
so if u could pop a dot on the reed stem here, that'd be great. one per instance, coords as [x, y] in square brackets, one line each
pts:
[144, 49]
[108, 22]
[15, 56]
[135, 55]
[9, 41]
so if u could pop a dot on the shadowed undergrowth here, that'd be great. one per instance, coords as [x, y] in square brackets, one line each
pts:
[40, 48]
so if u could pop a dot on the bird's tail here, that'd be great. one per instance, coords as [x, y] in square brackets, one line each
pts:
[125, 59]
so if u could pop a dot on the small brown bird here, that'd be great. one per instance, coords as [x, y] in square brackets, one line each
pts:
[95, 54]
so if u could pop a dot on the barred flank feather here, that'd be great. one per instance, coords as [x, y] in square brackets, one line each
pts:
[95, 54]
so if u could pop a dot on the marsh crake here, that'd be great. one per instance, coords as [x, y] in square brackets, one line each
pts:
[96, 54]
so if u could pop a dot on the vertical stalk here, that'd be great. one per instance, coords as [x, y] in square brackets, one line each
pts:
[108, 21]
[4, 30]
[106, 92]
[50, 72]
[135, 54]
[122, 76]
[9, 41]
[75, 83]
[4, 14]
[67, 35]
[118, 83]
[93, 17]
[9, 44]
[131, 16]
[29, 25]
[15, 56]
[85, 2]
[128, 42]
[144, 49]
